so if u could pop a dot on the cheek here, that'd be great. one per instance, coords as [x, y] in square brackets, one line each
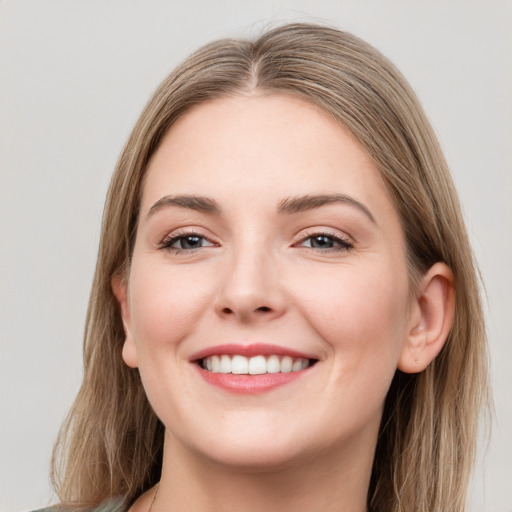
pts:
[360, 312]
[166, 304]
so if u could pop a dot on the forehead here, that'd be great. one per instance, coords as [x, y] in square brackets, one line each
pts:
[262, 147]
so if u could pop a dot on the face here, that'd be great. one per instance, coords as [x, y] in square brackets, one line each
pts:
[266, 243]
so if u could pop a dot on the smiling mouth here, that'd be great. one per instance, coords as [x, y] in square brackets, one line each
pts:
[256, 365]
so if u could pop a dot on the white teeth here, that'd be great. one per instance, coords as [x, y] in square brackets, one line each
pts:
[286, 364]
[239, 365]
[273, 364]
[225, 364]
[257, 365]
[297, 365]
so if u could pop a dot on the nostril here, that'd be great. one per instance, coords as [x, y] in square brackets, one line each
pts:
[242, 312]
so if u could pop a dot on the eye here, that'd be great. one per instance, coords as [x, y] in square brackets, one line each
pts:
[325, 241]
[186, 242]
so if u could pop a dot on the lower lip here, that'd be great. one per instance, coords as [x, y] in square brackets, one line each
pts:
[249, 384]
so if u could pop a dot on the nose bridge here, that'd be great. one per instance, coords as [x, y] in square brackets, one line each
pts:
[251, 287]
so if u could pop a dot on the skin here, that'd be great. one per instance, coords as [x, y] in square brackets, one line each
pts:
[257, 275]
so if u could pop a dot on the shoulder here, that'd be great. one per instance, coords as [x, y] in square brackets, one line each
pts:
[111, 505]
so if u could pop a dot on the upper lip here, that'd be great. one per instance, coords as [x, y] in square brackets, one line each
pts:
[253, 349]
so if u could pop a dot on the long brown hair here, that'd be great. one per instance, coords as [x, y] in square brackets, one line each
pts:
[111, 443]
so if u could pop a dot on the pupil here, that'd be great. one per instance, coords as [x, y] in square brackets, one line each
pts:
[322, 241]
[190, 242]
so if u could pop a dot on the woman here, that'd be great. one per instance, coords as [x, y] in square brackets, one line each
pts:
[285, 311]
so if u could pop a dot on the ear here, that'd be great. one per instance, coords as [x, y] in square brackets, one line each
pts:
[431, 319]
[119, 287]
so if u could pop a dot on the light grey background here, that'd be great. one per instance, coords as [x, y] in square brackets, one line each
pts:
[74, 75]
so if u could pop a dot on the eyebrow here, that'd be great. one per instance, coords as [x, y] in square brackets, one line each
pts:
[310, 202]
[288, 205]
[192, 202]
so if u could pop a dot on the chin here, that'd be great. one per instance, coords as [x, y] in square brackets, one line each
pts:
[255, 459]
[258, 447]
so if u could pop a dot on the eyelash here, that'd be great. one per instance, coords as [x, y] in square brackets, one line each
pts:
[343, 243]
[167, 243]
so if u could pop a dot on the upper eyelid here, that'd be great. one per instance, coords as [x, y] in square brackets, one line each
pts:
[332, 232]
[302, 235]
[186, 231]
[168, 242]
[342, 241]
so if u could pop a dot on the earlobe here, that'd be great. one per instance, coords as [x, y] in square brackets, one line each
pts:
[119, 287]
[431, 319]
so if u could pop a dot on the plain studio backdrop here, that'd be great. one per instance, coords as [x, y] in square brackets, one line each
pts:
[75, 74]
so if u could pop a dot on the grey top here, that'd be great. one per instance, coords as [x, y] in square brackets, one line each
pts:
[110, 505]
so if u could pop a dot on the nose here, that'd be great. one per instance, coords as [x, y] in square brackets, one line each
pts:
[251, 289]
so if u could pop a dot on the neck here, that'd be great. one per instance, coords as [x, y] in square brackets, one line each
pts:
[331, 482]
